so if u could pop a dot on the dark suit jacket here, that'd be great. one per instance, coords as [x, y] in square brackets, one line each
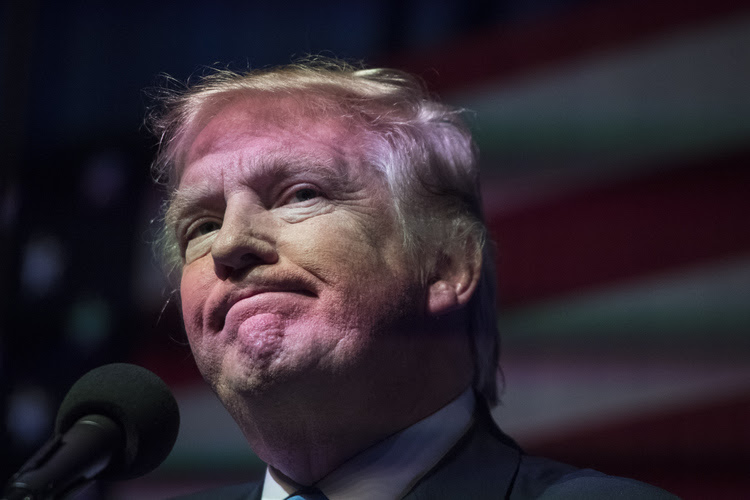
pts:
[487, 464]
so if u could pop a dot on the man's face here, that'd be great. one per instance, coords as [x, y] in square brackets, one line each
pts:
[294, 268]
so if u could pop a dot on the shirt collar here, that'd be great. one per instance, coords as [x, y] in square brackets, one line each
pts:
[389, 469]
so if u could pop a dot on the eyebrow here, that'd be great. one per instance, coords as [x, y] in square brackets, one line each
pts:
[281, 163]
[183, 201]
[333, 168]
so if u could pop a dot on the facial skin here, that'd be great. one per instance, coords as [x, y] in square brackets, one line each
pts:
[297, 294]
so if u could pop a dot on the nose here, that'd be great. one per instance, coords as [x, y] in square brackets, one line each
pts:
[242, 243]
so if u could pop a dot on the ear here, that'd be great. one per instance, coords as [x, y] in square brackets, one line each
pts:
[454, 280]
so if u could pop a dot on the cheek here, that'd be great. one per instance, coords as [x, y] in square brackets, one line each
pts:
[193, 292]
[335, 254]
[366, 271]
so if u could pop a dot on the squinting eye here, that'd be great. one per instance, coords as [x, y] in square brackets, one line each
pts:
[203, 229]
[305, 194]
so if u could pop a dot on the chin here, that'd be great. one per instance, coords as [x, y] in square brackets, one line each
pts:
[255, 378]
[244, 376]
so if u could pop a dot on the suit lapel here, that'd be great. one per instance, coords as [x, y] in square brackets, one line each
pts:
[482, 465]
[256, 493]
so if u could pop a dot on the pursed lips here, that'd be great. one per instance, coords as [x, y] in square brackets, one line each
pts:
[220, 309]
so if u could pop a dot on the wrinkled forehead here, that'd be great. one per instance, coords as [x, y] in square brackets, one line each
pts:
[287, 119]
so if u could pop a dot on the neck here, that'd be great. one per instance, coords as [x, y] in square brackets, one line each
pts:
[307, 428]
[306, 442]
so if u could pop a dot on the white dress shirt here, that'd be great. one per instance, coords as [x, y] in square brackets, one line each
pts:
[390, 468]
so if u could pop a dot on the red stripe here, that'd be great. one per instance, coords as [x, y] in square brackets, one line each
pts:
[679, 217]
[697, 452]
[509, 50]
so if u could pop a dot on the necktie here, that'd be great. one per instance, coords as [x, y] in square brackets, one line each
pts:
[308, 494]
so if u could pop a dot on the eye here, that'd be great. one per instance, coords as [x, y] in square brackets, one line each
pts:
[203, 229]
[304, 194]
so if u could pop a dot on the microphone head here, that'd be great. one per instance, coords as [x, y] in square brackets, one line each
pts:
[136, 399]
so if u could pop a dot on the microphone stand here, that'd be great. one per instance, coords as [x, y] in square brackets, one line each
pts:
[68, 461]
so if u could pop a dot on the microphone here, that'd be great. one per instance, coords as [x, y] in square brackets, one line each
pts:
[118, 421]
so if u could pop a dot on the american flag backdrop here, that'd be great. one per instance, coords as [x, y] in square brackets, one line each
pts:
[615, 144]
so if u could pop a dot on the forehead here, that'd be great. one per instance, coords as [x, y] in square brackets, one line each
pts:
[273, 130]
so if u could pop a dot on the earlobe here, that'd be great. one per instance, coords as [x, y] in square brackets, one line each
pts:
[442, 298]
[454, 283]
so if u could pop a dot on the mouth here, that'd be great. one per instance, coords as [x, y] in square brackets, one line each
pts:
[218, 315]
